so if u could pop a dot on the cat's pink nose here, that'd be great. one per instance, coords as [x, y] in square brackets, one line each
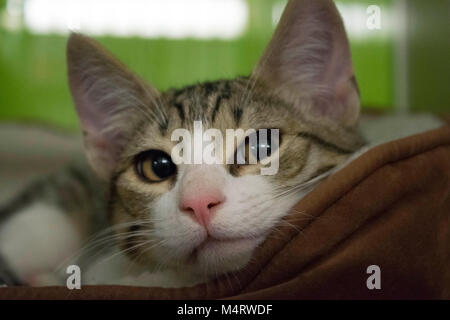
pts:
[201, 207]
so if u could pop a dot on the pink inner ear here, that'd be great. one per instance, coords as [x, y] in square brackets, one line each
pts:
[101, 155]
[309, 56]
[105, 124]
[100, 148]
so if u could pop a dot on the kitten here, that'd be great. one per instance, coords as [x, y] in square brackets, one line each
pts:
[187, 223]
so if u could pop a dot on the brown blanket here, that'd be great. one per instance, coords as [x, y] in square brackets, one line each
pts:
[390, 208]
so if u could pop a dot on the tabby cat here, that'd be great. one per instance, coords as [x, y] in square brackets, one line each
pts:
[179, 224]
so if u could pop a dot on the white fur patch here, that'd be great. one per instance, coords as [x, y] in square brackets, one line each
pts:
[36, 240]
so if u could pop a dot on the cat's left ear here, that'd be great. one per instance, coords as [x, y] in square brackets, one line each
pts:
[308, 62]
[110, 101]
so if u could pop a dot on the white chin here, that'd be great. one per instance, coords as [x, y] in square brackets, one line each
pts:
[216, 257]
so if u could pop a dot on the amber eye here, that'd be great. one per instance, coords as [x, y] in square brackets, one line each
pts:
[154, 165]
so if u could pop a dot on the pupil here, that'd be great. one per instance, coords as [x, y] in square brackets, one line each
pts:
[263, 144]
[162, 166]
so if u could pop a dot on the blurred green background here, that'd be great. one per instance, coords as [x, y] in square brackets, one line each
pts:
[410, 70]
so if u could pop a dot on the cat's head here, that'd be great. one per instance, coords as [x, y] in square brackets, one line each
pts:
[210, 217]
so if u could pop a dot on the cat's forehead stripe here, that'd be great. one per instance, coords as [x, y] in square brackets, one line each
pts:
[237, 114]
[216, 108]
[204, 101]
[180, 109]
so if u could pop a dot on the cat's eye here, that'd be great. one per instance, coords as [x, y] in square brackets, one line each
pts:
[154, 165]
[256, 147]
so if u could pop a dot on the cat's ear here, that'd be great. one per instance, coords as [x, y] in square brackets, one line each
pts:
[308, 62]
[109, 100]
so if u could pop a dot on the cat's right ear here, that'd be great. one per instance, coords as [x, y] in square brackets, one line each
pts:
[308, 62]
[109, 100]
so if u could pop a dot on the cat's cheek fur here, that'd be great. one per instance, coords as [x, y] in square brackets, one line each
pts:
[253, 209]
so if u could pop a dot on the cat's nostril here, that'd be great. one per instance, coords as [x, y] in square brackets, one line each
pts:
[188, 209]
[201, 208]
[213, 204]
